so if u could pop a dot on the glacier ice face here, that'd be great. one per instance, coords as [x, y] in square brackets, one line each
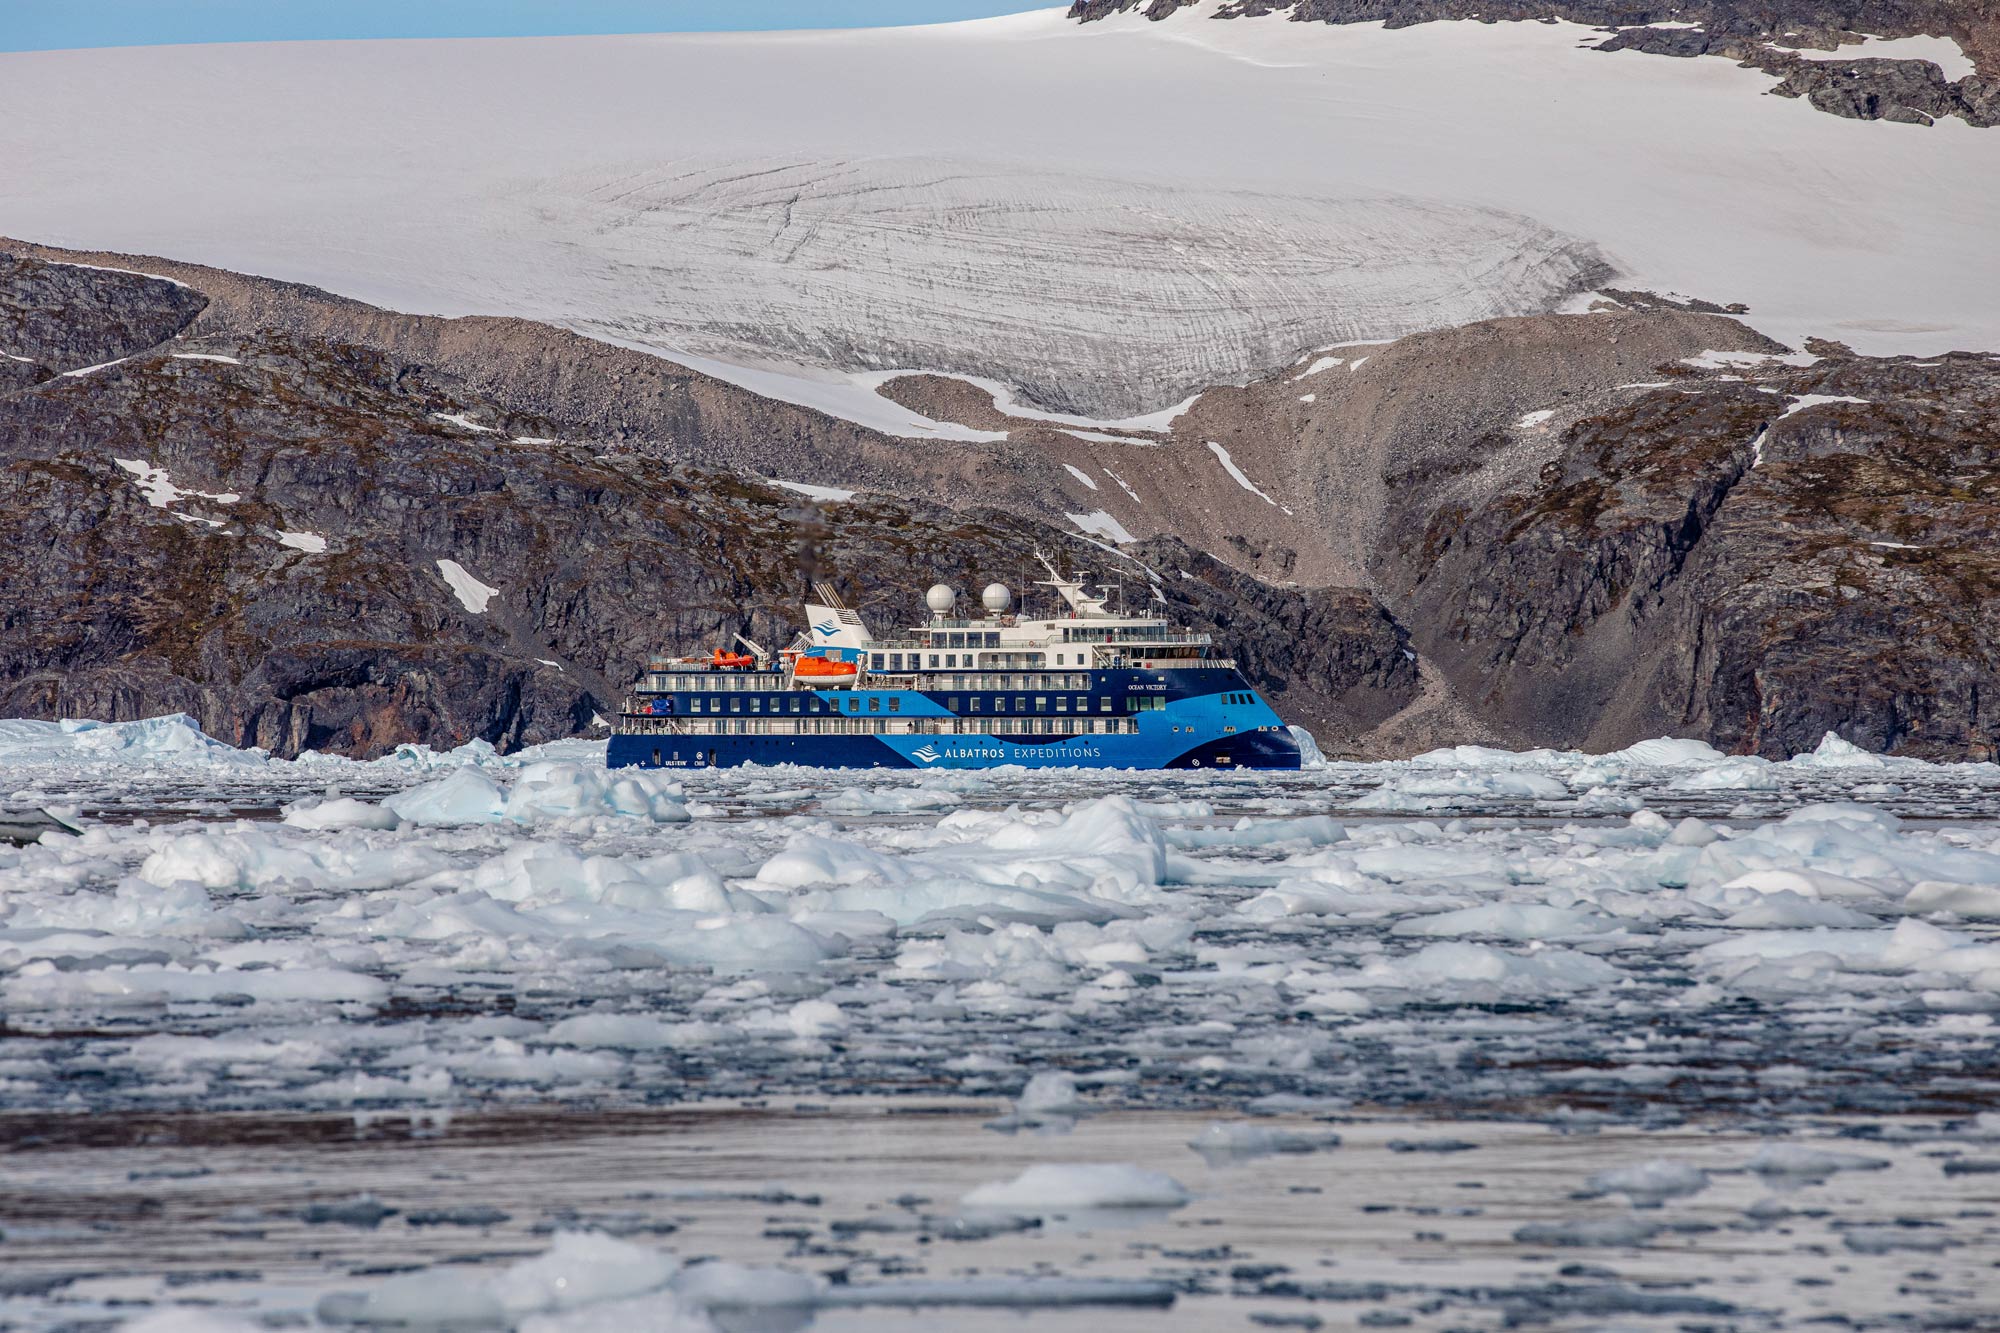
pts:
[1033, 276]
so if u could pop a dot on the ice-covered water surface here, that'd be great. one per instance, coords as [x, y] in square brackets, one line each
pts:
[920, 1216]
[535, 929]
[1661, 938]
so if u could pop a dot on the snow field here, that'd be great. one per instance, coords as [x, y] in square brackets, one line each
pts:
[798, 246]
[1100, 523]
[1236, 473]
[471, 593]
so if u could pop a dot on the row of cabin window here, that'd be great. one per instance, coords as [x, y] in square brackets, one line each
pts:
[963, 661]
[924, 726]
[991, 638]
[727, 684]
[1124, 634]
[973, 703]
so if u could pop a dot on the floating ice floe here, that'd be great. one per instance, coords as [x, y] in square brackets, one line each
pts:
[1796, 1161]
[540, 791]
[171, 739]
[1225, 1142]
[1745, 774]
[1588, 1231]
[1649, 1184]
[579, 1269]
[1049, 1093]
[1098, 862]
[1081, 1186]
[1423, 789]
[1222, 940]
[1458, 968]
[892, 801]
[1511, 921]
[339, 812]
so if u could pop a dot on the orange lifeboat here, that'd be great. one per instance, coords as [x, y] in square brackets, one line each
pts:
[723, 659]
[825, 669]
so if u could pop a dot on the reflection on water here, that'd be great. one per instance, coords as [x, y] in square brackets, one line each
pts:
[1425, 1225]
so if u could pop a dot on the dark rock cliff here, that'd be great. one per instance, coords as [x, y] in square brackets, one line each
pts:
[251, 527]
[1651, 520]
[1754, 560]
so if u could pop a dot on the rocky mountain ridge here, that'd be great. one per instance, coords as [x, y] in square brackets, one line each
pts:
[1645, 520]
[1569, 530]
[1769, 35]
[288, 535]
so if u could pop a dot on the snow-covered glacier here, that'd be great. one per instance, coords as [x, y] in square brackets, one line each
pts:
[1105, 216]
[1096, 294]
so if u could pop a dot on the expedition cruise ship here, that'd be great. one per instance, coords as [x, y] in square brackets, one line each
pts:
[1087, 689]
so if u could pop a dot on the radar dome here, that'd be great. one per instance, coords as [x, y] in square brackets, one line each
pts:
[940, 598]
[997, 597]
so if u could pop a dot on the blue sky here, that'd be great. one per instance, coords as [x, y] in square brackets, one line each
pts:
[41, 25]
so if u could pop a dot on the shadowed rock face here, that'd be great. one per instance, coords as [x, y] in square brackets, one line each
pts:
[1766, 34]
[165, 517]
[1756, 561]
[1596, 534]
[58, 317]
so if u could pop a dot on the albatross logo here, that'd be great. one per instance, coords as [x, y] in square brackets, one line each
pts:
[925, 753]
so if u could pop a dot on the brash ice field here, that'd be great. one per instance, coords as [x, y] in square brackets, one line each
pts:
[1479, 1039]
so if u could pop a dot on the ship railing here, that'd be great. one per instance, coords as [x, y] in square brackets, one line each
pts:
[663, 666]
[1139, 661]
[653, 724]
[1074, 634]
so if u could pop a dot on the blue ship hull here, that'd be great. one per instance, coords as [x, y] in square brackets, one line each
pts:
[1205, 719]
[1261, 749]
